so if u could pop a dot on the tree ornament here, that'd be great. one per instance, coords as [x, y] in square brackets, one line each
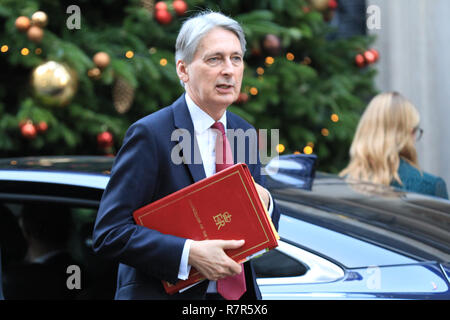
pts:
[53, 83]
[242, 98]
[41, 127]
[306, 61]
[101, 59]
[35, 34]
[105, 140]
[375, 53]
[161, 5]
[39, 18]
[180, 7]
[369, 57]
[359, 60]
[22, 23]
[332, 4]
[28, 130]
[163, 16]
[94, 73]
[319, 5]
[272, 44]
[123, 96]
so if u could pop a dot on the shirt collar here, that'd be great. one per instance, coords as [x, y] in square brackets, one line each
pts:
[200, 119]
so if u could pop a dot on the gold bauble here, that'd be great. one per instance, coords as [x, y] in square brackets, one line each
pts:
[101, 59]
[94, 73]
[53, 83]
[22, 23]
[35, 34]
[320, 5]
[39, 18]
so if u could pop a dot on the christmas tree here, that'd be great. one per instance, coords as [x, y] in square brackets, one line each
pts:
[74, 77]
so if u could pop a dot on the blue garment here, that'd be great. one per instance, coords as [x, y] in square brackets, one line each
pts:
[420, 182]
[144, 172]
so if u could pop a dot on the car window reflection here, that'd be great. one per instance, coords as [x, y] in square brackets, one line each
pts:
[46, 253]
[277, 264]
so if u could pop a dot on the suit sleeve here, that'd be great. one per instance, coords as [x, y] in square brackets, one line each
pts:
[134, 179]
[259, 178]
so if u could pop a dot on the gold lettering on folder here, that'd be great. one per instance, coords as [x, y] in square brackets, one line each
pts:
[194, 210]
[221, 219]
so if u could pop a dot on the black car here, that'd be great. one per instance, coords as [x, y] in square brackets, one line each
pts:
[339, 240]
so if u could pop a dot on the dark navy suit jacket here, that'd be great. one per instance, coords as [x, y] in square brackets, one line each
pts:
[143, 172]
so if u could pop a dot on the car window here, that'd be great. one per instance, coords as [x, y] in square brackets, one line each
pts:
[46, 252]
[277, 264]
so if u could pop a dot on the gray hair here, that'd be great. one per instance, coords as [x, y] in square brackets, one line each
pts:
[196, 27]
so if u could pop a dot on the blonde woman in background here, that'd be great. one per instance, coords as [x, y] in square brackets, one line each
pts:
[383, 149]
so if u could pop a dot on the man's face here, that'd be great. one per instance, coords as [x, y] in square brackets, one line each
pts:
[213, 79]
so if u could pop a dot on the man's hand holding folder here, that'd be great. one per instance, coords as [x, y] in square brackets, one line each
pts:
[218, 213]
[210, 259]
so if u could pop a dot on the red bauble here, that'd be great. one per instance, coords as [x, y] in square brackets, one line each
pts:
[105, 139]
[242, 98]
[28, 130]
[42, 126]
[332, 4]
[359, 60]
[161, 5]
[375, 53]
[180, 7]
[163, 16]
[369, 57]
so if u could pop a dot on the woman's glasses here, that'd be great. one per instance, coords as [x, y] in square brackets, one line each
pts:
[418, 132]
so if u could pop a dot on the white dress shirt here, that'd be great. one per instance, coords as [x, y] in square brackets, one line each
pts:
[206, 139]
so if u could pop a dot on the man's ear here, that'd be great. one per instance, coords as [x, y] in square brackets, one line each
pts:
[182, 71]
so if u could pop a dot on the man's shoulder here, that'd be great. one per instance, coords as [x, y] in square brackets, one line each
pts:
[237, 121]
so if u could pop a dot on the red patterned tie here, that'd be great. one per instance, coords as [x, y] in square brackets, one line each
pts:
[233, 287]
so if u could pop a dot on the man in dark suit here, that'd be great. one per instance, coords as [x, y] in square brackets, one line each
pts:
[209, 56]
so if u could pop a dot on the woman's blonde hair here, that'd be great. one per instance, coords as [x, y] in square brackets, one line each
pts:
[383, 135]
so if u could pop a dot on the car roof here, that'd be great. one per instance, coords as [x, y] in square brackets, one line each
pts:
[80, 164]
[75, 179]
[83, 171]
[414, 224]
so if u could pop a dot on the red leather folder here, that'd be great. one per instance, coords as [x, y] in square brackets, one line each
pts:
[223, 206]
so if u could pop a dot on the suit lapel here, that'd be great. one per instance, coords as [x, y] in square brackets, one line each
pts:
[182, 120]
